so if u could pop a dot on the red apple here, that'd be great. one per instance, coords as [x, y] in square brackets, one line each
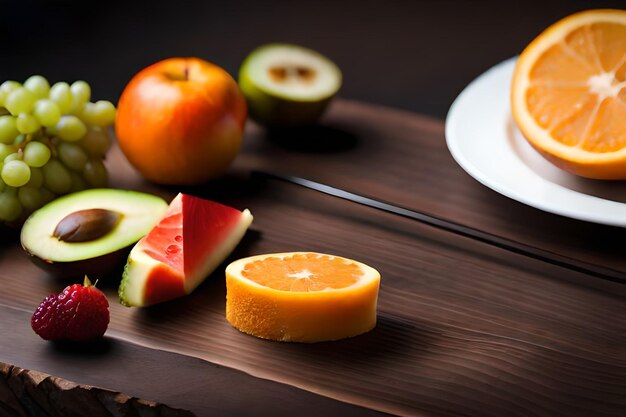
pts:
[181, 121]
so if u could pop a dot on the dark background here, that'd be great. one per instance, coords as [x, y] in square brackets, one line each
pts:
[415, 55]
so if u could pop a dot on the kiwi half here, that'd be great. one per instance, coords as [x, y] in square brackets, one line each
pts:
[288, 85]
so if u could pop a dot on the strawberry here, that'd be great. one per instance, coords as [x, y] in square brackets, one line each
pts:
[79, 313]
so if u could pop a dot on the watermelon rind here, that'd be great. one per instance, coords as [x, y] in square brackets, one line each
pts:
[132, 289]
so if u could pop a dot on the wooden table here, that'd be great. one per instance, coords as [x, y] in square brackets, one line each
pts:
[464, 328]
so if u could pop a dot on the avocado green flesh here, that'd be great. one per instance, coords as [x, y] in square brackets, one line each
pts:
[288, 85]
[139, 213]
[275, 111]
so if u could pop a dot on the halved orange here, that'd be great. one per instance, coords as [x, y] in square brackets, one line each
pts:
[568, 97]
[301, 296]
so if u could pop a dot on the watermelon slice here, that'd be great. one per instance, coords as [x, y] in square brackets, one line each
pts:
[193, 239]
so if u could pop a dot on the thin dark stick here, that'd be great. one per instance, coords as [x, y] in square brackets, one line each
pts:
[497, 241]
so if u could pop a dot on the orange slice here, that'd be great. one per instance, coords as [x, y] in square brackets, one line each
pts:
[301, 296]
[568, 97]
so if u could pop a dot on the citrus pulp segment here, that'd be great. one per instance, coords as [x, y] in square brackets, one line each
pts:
[301, 296]
[567, 94]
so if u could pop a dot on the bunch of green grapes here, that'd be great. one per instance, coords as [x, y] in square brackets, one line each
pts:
[53, 140]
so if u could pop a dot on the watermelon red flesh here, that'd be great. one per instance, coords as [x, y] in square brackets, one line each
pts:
[164, 242]
[193, 238]
[201, 224]
[206, 225]
[163, 284]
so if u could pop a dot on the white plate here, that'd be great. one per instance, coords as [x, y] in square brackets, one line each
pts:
[484, 141]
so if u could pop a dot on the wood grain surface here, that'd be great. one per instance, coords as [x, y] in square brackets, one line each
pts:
[464, 329]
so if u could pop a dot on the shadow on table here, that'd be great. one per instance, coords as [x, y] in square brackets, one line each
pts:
[96, 348]
[312, 139]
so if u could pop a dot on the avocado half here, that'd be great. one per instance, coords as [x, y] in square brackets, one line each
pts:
[89, 232]
[288, 85]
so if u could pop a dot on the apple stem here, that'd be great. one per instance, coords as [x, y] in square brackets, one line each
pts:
[186, 73]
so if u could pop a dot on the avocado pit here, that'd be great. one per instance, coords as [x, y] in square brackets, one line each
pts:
[86, 225]
[89, 232]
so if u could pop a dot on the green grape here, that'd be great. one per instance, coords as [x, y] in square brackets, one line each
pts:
[81, 94]
[81, 89]
[106, 112]
[72, 156]
[19, 139]
[10, 207]
[96, 173]
[86, 114]
[27, 123]
[38, 85]
[47, 112]
[60, 93]
[46, 195]
[36, 154]
[96, 142]
[100, 113]
[5, 88]
[15, 156]
[15, 173]
[70, 128]
[78, 182]
[36, 178]
[8, 129]
[19, 101]
[29, 197]
[56, 177]
[6, 150]
[2, 185]
[8, 86]
[12, 191]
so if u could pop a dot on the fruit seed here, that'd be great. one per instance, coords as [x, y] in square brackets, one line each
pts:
[280, 74]
[86, 225]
